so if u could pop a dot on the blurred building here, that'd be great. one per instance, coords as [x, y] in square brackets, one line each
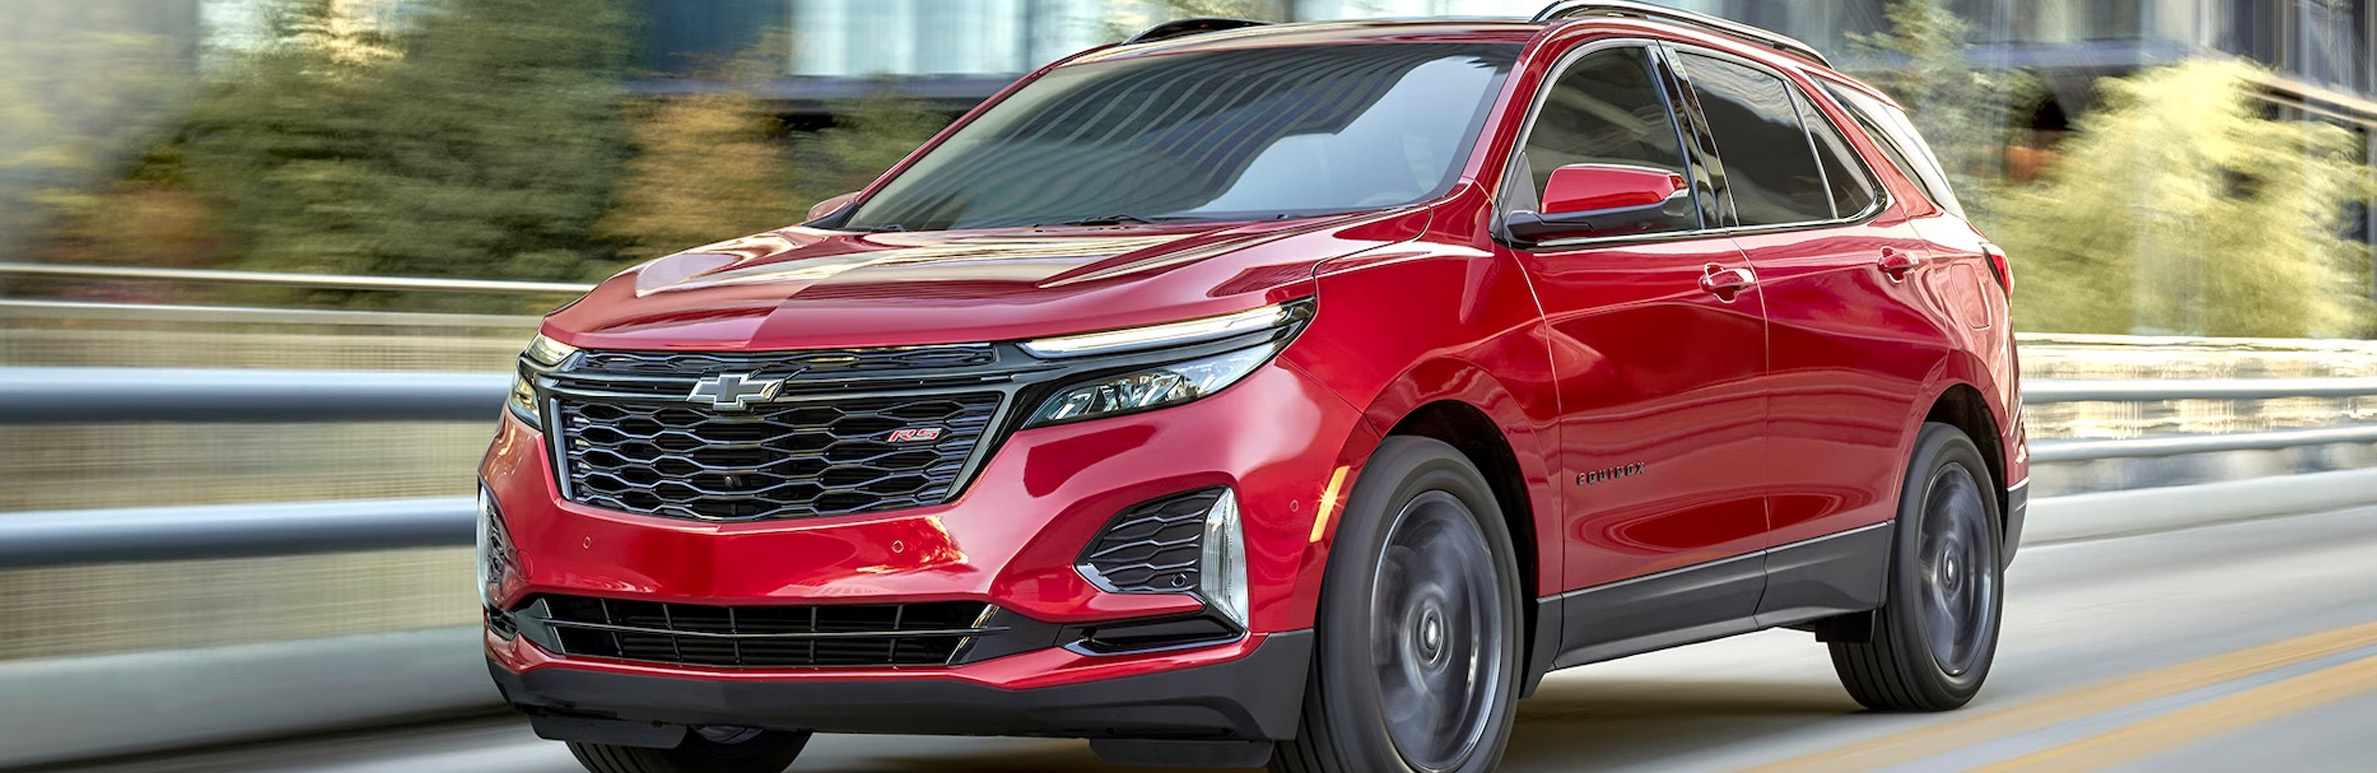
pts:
[957, 51]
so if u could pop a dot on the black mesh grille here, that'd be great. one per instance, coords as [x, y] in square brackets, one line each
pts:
[762, 636]
[1153, 546]
[821, 362]
[780, 460]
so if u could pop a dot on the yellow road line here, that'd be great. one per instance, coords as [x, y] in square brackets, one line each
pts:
[1975, 729]
[2149, 736]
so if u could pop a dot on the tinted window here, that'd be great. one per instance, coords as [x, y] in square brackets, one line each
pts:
[1853, 190]
[1890, 128]
[1606, 108]
[1214, 135]
[1769, 164]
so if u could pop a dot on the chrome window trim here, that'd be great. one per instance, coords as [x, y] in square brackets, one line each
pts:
[1883, 199]
[1518, 147]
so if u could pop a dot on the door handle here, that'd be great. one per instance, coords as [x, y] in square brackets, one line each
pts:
[1896, 264]
[1726, 283]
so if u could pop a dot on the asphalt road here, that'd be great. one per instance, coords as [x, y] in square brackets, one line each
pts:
[2244, 647]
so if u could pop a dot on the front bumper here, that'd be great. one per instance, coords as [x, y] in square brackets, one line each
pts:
[1254, 694]
[1010, 540]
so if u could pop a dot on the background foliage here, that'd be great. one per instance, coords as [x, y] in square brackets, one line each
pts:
[495, 138]
[2178, 207]
[2182, 204]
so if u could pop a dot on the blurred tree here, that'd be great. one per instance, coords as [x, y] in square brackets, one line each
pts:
[2181, 207]
[1123, 20]
[869, 135]
[479, 141]
[1965, 113]
[502, 130]
[705, 167]
[1264, 10]
[82, 86]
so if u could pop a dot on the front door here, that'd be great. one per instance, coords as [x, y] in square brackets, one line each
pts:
[1658, 342]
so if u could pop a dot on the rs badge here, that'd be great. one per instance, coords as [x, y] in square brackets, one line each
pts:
[914, 435]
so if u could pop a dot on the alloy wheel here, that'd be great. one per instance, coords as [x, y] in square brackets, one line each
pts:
[1437, 629]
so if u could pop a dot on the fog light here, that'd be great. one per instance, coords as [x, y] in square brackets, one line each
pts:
[498, 565]
[1221, 564]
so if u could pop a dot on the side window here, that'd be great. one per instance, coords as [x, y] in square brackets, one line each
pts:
[1606, 108]
[1889, 128]
[1769, 163]
[1853, 188]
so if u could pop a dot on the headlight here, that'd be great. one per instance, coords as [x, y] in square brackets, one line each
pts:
[547, 352]
[523, 401]
[542, 352]
[1150, 389]
[1247, 338]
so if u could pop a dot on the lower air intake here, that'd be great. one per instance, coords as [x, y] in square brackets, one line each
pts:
[845, 635]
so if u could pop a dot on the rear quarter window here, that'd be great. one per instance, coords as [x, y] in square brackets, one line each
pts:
[1895, 133]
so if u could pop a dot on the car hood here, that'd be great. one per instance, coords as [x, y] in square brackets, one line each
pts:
[809, 288]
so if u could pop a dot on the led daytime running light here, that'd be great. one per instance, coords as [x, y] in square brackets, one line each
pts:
[1153, 336]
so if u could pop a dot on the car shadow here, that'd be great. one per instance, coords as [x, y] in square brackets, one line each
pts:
[1574, 723]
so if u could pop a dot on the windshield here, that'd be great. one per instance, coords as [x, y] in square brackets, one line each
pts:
[1215, 135]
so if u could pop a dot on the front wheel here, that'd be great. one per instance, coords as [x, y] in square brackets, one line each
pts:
[1935, 636]
[1417, 661]
[705, 750]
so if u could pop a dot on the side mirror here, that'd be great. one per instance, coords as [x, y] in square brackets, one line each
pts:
[828, 206]
[1604, 200]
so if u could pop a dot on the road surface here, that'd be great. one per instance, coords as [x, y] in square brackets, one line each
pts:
[2243, 647]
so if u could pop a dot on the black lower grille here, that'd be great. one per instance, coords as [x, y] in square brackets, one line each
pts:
[927, 634]
[1152, 547]
[773, 460]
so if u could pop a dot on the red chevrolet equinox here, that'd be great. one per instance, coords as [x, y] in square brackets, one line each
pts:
[1294, 394]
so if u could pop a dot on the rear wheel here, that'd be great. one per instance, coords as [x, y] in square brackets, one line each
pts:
[712, 749]
[1417, 658]
[1935, 637]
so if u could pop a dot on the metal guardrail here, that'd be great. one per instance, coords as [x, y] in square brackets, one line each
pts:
[83, 395]
[2177, 445]
[315, 281]
[180, 314]
[62, 537]
[2095, 390]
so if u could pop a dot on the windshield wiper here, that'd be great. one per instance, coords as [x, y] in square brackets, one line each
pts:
[1121, 219]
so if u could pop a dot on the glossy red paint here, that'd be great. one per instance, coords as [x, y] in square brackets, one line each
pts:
[1655, 424]
[1595, 187]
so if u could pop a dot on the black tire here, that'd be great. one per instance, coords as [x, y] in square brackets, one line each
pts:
[1935, 636]
[705, 750]
[1417, 661]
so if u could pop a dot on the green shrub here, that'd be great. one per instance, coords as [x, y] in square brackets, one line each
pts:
[2179, 206]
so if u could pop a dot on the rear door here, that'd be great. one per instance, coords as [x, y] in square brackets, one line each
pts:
[1662, 416]
[1850, 341]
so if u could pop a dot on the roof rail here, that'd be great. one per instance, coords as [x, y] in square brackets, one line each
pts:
[1181, 28]
[1577, 9]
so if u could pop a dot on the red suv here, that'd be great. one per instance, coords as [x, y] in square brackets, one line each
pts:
[1296, 393]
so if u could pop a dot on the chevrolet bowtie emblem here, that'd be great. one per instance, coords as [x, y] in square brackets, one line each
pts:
[735, 391]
